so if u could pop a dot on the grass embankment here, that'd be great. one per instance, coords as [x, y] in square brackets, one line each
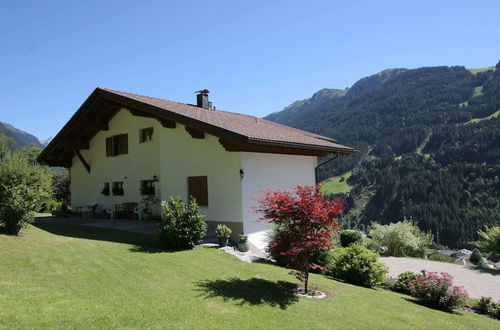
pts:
[337, 184]
[64, 276]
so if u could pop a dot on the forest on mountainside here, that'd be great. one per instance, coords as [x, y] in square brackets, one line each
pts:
[428, 144]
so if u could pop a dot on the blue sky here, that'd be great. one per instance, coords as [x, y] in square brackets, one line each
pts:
[255, 57]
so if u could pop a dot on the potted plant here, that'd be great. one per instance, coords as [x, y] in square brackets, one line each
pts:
[147, 205]
[243, 243]
[223, 232]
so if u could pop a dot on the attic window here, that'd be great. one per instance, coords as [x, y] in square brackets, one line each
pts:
[198, 189]
[146, 134]
[117, 145]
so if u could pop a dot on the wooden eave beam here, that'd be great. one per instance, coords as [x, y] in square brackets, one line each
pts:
[167, 123]
[84, 162]
[230, 146]
[77, 145]
[195, 134]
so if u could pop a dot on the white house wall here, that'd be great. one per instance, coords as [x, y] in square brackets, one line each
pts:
[173, 156]
[182, 156]
[141, 163]
[270, 171]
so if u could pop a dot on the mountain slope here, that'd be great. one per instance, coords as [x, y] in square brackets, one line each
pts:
[18, 137]
[424, 153]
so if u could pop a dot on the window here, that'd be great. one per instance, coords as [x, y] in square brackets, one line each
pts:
[105, 190]
[147, 187]
[198, 189]
[146, 134]
[117, 145]
[117, 188]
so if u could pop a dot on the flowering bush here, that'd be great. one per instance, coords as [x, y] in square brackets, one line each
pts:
[437, 290]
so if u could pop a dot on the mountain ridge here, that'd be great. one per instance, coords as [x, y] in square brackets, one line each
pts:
[17, 137]
[411, 125]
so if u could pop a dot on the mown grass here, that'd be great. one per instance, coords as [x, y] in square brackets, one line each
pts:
[66, 276]
[337, 184]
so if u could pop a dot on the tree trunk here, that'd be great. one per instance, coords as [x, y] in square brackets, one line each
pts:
[306, 279]
[12, 228]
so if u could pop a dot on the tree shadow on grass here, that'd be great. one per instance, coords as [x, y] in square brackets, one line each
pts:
[254, 291]
[418, 302]
[141, 242]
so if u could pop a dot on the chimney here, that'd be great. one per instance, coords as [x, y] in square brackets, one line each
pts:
[202, 99]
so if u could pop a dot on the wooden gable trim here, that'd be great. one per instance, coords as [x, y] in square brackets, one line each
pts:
[230, 146]
[84, 162]
[195, 134]
[167, 123]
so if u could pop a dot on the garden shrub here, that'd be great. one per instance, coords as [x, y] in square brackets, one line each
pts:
[357, 265]
[490, 240]
[348, 237]
[483, 306]
[370, 244]
[403, 282]
[437, 290]
[52, 206]
[182, 226]
[322, 259]
[476, 257]
[24, 188]
[436, 256]
[402, 238]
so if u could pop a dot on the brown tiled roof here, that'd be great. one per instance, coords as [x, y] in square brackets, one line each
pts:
[236, 132]
[256, 129]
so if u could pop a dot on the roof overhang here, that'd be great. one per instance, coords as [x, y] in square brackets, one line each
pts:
[95, 113]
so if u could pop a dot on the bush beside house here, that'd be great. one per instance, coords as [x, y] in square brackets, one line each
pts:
[182, 225]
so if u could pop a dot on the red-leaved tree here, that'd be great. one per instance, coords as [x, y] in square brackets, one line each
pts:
[304, 223]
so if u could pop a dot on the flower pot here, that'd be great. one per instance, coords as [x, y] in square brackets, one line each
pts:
[243, 247]
[223, 241]
[147, 216]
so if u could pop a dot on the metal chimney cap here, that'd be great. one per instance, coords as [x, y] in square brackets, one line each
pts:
[203, 91]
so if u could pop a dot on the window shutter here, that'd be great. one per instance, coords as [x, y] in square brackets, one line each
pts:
[109, 147]
[198, 188]
[123, 144]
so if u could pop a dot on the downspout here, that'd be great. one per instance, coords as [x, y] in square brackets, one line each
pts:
[322, 164]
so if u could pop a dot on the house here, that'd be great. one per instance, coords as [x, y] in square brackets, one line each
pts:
[121, 146]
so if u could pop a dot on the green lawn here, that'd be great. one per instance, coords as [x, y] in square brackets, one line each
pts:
[65, 276]
[336, 184]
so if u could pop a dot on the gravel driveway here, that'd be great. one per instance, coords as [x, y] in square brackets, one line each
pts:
[477, 282]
